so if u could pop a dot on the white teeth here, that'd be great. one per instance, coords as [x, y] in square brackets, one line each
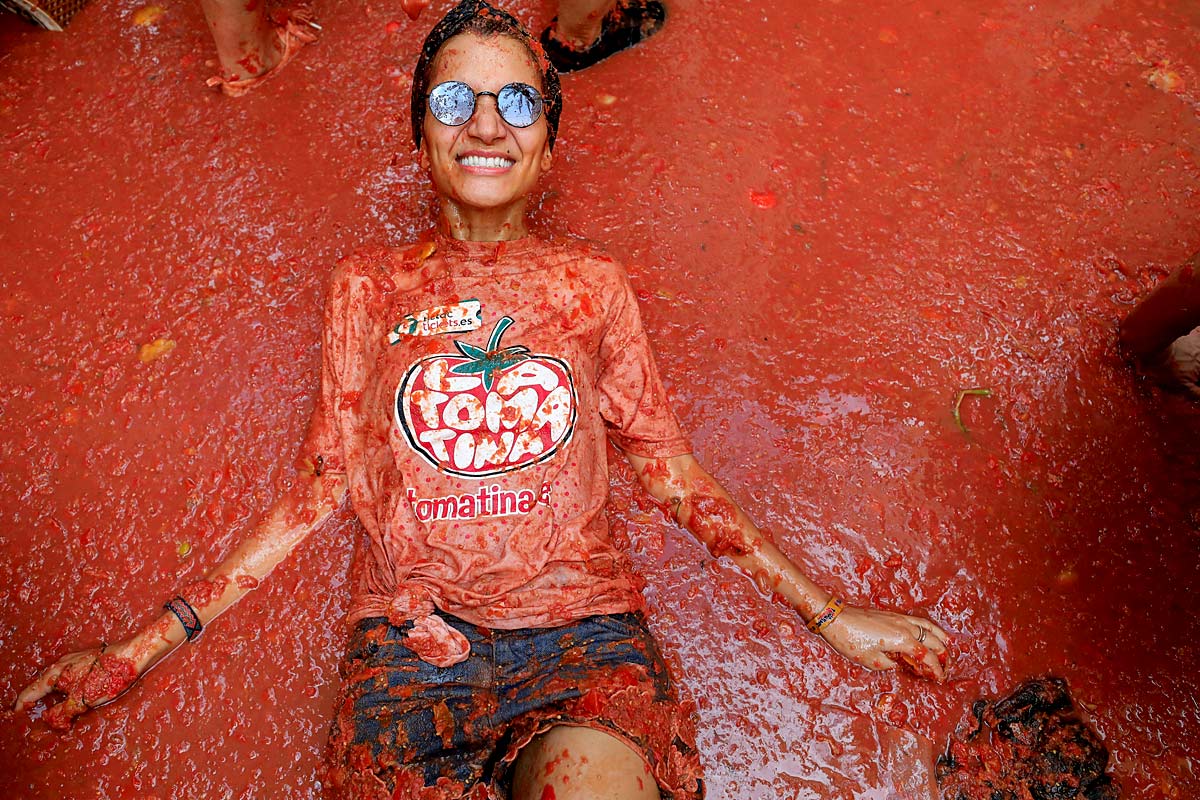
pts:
[496, 162]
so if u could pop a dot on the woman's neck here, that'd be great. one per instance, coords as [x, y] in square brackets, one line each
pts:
[483, 225]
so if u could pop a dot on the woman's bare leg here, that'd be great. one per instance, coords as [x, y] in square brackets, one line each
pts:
[246, 42]
[579, 20]
[570, 762]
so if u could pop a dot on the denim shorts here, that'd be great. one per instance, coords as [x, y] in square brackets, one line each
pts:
[407, 729]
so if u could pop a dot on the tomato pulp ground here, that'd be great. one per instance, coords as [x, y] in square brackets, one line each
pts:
[841, 219]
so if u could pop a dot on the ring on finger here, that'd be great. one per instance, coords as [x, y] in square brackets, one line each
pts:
[921, 635]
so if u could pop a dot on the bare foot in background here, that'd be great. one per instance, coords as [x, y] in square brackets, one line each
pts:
[252, 45]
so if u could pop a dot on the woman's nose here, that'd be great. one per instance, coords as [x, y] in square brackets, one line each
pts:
[485, 124]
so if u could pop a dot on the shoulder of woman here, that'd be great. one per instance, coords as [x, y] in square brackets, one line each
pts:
[361, 263]
[381, 267]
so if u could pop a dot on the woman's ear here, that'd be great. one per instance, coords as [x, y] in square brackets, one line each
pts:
[422, 155]
[547, 157]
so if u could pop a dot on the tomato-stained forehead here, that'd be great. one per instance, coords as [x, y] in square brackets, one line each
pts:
[481, 62]
[486, 21]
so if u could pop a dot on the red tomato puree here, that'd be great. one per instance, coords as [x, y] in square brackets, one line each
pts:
[837, 217]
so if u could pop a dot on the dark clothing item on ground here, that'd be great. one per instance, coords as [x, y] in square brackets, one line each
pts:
[1031, 744]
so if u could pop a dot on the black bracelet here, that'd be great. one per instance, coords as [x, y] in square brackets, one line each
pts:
[187, 617]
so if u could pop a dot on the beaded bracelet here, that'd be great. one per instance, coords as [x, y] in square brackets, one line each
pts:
[187, 617]
[826, 615]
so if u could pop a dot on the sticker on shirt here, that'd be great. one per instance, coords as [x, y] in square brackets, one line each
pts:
[487, 412]
[488, 501]
[455, 318]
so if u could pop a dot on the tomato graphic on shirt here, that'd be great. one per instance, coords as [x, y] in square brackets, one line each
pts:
[487, 411]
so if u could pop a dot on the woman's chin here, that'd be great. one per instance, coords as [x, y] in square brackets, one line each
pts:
[488, 199]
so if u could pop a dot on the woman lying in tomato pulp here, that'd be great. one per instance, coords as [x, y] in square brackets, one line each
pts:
[469, 384]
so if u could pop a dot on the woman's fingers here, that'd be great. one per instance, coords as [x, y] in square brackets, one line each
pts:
[935, 670]
[928, 637]
[921, 661]
[938, 632]
[89, 678]
[40, 687]
[880, 662]
[921, 648]
[929, 627]
[929, 634]
[66, 675]
[59, 717]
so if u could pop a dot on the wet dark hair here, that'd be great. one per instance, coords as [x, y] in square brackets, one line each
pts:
[481, 18]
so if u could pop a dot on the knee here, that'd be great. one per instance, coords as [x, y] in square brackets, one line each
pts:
[577, 763]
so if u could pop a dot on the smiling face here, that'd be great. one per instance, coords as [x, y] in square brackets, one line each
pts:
[485, 167]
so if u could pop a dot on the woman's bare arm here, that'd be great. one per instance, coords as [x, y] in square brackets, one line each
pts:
[875, 639]
[92, 677]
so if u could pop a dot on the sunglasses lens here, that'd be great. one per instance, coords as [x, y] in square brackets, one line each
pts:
[452, 103]
[520, 104]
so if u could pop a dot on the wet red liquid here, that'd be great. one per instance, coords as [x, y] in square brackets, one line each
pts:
[839, 216]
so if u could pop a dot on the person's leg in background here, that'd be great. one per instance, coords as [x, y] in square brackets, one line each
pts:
[589, 31]
[250, 44]
[579, 21]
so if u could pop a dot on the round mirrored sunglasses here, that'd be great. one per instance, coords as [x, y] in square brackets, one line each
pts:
[453, 103]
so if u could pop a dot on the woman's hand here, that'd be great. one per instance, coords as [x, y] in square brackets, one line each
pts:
[89, 678]
[882, 640]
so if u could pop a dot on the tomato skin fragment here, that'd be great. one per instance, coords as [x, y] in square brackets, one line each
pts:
[764, 199]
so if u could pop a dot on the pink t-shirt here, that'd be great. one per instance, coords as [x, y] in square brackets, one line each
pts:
[466, 391]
